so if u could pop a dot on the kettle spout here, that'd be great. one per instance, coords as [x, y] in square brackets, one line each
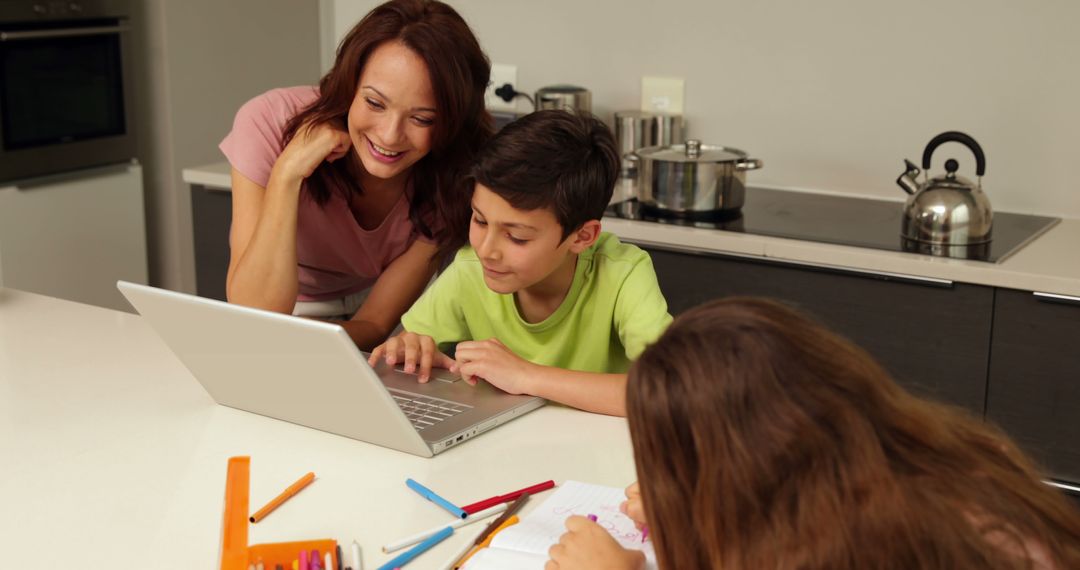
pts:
[907, 179]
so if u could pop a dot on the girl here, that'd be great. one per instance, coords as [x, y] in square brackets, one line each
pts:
[357, 184]
[765, 441]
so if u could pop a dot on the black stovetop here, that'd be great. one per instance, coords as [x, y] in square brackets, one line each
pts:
[827, 218]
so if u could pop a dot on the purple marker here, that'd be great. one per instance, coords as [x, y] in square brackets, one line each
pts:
[644, 533]
[592, 518]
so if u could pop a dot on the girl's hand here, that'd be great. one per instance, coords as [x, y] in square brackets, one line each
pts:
[587, 546]
[310, 147]
[633, 507]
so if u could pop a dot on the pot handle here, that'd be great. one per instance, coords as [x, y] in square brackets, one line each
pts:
[749, 164]
[955, 136]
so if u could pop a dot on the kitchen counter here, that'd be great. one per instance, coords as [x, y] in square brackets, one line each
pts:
[1049, 264]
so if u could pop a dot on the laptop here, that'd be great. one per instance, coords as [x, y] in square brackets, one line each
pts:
[311, 373]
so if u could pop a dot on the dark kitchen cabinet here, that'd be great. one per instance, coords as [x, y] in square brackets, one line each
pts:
[1034, 392]
[211, 214]
[932, 335]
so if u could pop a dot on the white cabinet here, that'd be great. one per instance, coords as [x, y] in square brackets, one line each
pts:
[74, 236]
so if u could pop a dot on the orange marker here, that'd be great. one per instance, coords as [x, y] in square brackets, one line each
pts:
[284, 496]
[487, 541]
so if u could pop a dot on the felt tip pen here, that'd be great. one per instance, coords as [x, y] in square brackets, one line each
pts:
[511, 496]
[358, 562]
[435, 498]
[592, 518]
[284, 496]
[420, 536]
[644, 533]
[408, 555]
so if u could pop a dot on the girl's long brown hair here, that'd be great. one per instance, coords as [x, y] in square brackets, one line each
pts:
[763, 440]
[459, 75]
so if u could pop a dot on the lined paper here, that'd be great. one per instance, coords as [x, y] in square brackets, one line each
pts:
[542, 527]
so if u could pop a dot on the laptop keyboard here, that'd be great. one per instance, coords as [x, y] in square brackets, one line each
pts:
[425, 412]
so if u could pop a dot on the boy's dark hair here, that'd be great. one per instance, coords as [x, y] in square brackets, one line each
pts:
[552, 159]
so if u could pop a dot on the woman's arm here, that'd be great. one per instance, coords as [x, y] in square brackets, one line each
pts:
[262, 241]
[393, 293]
[262, 244]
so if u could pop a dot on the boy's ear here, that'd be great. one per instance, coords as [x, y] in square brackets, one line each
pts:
[585, 236]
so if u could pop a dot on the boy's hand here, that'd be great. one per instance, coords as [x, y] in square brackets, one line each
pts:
[633, 507]
[412, 348]
[587, 546]
[492, 361]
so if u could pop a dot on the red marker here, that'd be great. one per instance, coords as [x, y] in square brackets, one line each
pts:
[499, 499]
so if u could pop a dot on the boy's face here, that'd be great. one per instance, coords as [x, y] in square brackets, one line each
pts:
[519, 249]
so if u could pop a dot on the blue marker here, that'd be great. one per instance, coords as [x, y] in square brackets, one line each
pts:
[404, 558]
[431, 496]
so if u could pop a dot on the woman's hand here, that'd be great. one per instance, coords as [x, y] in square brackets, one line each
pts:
[310, 147]
[633, 507]
[587, 546]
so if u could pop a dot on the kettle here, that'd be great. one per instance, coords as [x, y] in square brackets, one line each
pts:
[946, 210]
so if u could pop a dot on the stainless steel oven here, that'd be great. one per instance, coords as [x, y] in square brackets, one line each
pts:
[65, 86]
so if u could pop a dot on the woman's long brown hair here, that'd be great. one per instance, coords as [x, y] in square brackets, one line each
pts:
[764, 440]
[459, 76]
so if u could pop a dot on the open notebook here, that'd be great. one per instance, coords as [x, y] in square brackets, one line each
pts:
[524, 546]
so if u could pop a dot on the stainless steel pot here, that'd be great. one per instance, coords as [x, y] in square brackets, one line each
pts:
[693, 178]
[567, 97]
[639, 129]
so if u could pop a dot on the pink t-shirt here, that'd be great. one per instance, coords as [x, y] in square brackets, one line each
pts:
[335, 256]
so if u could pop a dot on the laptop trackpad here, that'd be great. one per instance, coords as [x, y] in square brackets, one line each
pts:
[440, 374]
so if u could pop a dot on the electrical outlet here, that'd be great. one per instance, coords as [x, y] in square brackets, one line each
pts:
[501, 74]
[664, 94]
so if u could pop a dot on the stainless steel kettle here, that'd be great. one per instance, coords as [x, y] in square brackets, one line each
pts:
[946, 210]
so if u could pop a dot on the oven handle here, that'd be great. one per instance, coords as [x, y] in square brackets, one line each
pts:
[65, 33]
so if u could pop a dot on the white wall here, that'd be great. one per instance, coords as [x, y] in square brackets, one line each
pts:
[199, 60]
[831, 94]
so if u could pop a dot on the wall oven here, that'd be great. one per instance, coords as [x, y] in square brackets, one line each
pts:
[65, 86]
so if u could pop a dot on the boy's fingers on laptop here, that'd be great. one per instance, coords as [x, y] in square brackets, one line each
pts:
[391, 348]
[376, 353]
[427, 354]
[413, 351]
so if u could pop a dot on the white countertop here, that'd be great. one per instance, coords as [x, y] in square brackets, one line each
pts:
[114, 454]
[1049, 264]
[217, 175]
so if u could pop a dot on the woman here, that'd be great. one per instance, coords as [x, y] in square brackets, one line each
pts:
[763, 440]
[357, 185]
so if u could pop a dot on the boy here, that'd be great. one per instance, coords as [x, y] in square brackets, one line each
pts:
[542, 302]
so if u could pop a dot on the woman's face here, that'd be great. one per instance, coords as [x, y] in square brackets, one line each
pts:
[392, 117]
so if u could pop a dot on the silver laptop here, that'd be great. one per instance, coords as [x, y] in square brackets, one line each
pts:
[311, 373]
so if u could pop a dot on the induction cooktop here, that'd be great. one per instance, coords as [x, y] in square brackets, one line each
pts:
[844, 220]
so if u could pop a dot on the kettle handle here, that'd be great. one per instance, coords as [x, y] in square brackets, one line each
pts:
[956, 136]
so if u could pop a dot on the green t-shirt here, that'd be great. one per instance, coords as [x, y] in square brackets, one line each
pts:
[613, 310]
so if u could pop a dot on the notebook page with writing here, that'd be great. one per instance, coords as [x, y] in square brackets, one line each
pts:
[542, 527]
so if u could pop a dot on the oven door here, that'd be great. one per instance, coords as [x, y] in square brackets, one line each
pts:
[65, 97]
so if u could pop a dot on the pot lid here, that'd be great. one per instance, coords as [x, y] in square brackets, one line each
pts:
[691, 151]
